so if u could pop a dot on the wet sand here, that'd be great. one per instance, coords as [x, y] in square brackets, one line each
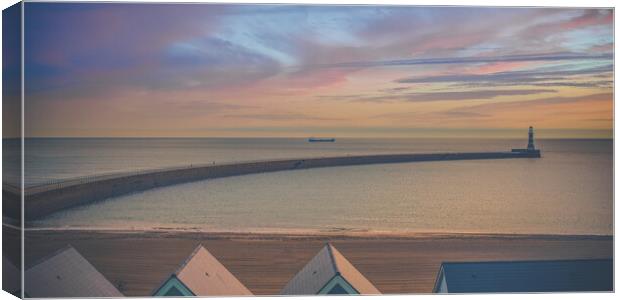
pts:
[138, 261]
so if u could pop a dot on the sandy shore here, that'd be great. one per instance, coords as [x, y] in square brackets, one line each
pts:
[139, 261]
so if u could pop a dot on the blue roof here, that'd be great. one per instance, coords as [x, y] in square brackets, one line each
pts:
[527, 276]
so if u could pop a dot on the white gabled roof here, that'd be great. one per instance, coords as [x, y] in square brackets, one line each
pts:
[313, 276]
[322, 268]
[204, 275]
[67, 274]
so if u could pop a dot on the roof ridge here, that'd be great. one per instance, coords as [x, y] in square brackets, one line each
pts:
[332, 258]
[48, 256]
[437, 277]
[524, 261]
[188, 259]
[351, 275]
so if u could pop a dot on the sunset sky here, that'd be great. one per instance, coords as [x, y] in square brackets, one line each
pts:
[268, 70]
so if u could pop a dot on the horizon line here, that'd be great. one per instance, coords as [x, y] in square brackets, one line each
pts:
[305, 138]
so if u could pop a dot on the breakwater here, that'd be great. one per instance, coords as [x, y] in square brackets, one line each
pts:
[43, 200]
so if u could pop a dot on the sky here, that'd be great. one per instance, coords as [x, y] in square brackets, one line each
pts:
[218, 70]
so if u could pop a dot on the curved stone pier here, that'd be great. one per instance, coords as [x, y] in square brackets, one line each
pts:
[41, 201]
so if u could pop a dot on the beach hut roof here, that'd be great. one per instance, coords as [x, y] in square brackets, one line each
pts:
[326, 270]
[67, 274]
[525, 276]
[11, 276]
[203, 275]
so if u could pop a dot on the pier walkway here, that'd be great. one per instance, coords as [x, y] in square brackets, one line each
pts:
[45, 199]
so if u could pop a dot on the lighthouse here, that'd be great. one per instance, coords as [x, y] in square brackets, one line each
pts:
[530, 140]
[531, 150]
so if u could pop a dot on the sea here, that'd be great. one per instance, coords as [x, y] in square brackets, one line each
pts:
[567, 191]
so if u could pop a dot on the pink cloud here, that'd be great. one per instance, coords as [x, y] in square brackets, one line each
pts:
[439, 42]
[590, 17]
[498, 67]
[317, 78]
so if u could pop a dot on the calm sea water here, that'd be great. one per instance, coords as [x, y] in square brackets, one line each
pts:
[568, 191]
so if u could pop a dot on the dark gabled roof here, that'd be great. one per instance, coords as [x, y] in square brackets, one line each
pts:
[527, 276]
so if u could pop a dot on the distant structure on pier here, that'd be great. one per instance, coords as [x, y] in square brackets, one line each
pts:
[530, 140]
[530, 144]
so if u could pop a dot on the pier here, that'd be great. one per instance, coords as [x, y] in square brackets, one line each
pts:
[43, 200]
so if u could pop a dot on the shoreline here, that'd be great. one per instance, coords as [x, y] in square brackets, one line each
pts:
[313, 234]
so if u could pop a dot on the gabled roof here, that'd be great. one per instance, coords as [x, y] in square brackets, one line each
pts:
[527, 276]
[321, 269]
[204, 275]
[11, 276]
[67, 274]
[173, 287]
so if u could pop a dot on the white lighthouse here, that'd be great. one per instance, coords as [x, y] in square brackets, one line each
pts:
[530, 140]
[531, 150]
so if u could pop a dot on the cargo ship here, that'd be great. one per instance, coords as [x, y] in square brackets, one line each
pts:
[313, 140]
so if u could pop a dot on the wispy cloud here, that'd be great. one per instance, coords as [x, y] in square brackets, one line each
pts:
[472, 95]
[543, 105]
[452, 114]
[438, 96]
[592, 77]
[473, 60]
[529, 75]
[189, 66]
[555, 100]
[591, 110]
[280, 117]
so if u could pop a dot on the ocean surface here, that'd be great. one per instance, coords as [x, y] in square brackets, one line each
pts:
[567, 191]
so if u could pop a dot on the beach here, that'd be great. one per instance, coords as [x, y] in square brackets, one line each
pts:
[137, 261]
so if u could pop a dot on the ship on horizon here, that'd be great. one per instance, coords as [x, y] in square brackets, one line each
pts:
[313, 140]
